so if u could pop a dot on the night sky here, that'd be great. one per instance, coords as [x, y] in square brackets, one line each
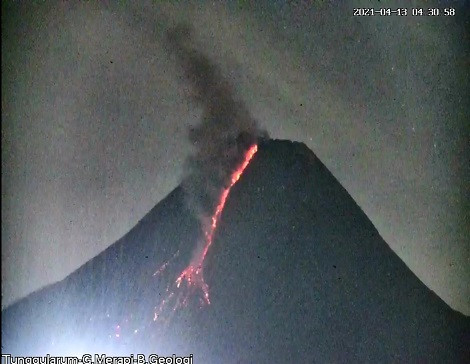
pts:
[95, 117]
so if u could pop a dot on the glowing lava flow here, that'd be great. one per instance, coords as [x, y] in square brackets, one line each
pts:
[192, 274]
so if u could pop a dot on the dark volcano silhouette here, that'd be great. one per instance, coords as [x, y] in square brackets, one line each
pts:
[297, 273]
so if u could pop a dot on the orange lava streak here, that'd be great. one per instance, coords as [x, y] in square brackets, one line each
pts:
[223, 198]
[193, 273]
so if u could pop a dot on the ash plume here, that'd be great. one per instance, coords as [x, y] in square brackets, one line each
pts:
[224, 134]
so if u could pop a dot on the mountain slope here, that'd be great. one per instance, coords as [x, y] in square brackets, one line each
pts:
[297, 272]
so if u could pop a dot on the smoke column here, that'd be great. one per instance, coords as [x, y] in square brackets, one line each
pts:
[224, 135]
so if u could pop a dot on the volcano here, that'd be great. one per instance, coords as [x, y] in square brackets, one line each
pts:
[296, 273]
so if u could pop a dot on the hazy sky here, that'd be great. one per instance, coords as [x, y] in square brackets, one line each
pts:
[95, 117]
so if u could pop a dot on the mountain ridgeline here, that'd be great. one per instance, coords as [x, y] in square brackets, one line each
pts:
[297, 273]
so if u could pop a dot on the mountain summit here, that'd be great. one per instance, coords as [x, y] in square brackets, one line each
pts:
[296, 273]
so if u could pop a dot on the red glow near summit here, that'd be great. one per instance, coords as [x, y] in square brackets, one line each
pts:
[192, 276]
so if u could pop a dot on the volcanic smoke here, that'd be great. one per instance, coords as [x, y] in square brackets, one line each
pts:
[224, 143]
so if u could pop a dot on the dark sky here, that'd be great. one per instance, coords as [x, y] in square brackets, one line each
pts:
[95, 117]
